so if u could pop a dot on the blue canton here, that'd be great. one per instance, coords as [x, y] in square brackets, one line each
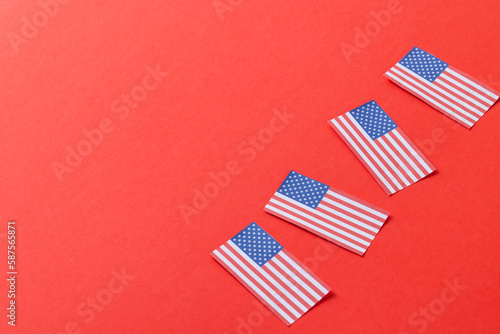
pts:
[424, 64]
[303, 189]
[373, 119]
[257, 244]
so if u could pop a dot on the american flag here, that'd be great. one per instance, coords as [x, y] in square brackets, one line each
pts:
[385, 150]
[271, 273]
[330, 213]
[452, 92]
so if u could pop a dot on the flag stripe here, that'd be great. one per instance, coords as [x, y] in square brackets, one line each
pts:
[372, 223]
[417, 89]
[256, 277]
[271, 273]
[452, 92]
[403, 83]
[352, 227]
[390, 157]
[468, 99]
[322, 287]
[253, 288]
[293, 275]
[440, 93]
[329, 208]
[284, 290]
[399, 148]
[361, 156]
[279, 276]
[415, 152]
[295, 266]
[350, 124]
[352, 246]
[325, 219]
[470, 86]
[493, 94]
[366, 207]
[332, 233]
[308, 292]
[395, 172]
[331, 236]
[394, 154]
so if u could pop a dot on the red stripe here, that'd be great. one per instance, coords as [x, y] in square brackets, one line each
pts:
[465, 75]
[410, 155]
[360, 201]
[287, 275]
[451, 103]
[417, 150]
[276, 293]
[358, 155]
[389, 152]
[410, 87]
[412, 164]
[304, 279]
[395, 155]
[272, 296]
[306, 269]
[307, 217]
[350, 215]
[249, 288]
[388, 172]
[293, 292]
[470, 96]
[462, 78]
[472, 108]
[271, 208]
[328, 222]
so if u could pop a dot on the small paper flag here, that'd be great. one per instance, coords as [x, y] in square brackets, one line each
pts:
[271, 273]
[452, 92]
[330, 213]
[385, 150]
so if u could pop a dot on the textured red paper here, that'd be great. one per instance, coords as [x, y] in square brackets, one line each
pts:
[119, 208]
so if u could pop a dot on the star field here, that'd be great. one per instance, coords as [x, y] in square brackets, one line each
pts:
[303, 189]
[257, 244]
[424, 64]
[373, 119]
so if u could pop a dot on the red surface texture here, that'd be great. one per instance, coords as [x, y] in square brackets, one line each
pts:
[139, 136]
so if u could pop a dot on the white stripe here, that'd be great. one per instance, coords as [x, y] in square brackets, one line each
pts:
[451, 99]
[286, 281]
[268, 277]
[365, 159]
[354, 212]
[253, 286]
[261, 282]
[346, 217]
[407, 158]
[322, 215]
[412, 151]
[296, 278]
[458, 92]
[396, 157]
[451, 112]
[464, 87]
[357, 204]
[374, 157]
[375, 146]
[472, 83]
[303, 272]
[322, 232]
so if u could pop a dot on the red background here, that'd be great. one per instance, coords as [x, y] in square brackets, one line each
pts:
[120, 207]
